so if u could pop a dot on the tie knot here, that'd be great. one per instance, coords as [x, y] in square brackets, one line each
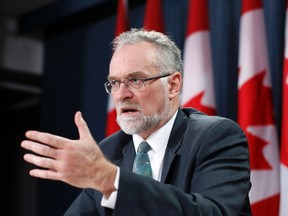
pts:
[144, 147]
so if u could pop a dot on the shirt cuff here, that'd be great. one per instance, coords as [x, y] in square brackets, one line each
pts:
[109, 202]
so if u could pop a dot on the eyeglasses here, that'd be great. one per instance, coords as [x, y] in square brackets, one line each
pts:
[130, 83]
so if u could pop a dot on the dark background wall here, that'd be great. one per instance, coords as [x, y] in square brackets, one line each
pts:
[77, 36]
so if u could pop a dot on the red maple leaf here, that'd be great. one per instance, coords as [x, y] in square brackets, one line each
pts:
[195, 102]
[255, 103]
[256, 109]
[257, 159]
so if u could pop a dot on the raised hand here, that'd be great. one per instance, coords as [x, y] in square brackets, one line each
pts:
[77, 162]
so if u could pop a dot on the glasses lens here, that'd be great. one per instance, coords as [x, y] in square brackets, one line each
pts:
[108, 87]
[134, 83]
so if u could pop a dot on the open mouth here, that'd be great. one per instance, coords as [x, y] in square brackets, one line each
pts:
[128, 110]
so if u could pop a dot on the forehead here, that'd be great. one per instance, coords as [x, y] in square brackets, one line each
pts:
[135, 74]
[133, 59]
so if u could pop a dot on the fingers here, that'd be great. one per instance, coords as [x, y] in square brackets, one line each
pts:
[82, 126]
[44, 174]
[46, 138]
[39, 148]
[39, 161]
[47, 164]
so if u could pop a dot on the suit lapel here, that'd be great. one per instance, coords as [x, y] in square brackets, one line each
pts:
[128, 156]
[174, 142]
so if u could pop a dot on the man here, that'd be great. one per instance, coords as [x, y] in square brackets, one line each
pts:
[200, 163]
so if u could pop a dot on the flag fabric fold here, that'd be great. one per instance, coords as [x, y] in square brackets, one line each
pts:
[154, 17]
[198, 83]
[256, 112]
[284, 131]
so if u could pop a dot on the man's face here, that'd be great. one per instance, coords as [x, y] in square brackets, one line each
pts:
[139, 111]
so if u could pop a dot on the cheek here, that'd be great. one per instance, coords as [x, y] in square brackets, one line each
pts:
[154, 102]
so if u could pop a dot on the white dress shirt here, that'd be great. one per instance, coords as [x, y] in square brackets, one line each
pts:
[158, 142]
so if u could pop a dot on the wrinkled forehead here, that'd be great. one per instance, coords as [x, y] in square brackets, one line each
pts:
[133, 58]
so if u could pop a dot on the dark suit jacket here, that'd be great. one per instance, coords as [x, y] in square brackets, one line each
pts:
[205, 172]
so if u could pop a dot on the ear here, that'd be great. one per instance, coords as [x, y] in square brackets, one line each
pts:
[175, 84]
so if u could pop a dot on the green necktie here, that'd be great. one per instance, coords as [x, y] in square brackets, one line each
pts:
[141, 164]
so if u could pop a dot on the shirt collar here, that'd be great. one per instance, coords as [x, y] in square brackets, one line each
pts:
[159, 139]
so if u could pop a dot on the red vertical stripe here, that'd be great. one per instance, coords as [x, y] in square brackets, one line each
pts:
[284, 130]
[197, 17]
[251, 5]
[154, 19]
[122, 17]
[284, 133]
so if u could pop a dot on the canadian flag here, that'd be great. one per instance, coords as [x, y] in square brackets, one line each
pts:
[154, 19]
[284, 132]
[198, 85]
[255, 110]
[121, 25]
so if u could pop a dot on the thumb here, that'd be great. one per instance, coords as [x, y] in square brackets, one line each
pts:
[82, 126]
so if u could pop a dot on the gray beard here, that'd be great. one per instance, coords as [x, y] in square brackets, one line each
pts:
[141, 123]
[138, 124]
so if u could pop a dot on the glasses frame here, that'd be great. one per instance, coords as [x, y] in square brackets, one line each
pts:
[143, 80]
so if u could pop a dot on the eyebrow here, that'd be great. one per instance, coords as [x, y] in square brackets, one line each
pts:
[130, 75]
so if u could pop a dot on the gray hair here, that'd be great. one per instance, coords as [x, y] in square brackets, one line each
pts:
[169, 55]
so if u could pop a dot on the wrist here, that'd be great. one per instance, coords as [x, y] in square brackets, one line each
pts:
[105, 177]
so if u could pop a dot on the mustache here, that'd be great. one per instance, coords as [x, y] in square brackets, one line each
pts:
[128, 105]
